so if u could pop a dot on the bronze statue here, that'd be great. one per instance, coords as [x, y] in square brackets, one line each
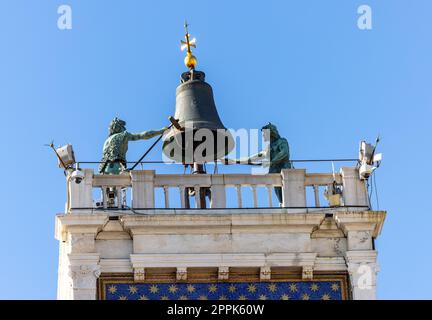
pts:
[116, 146]
[277, 156]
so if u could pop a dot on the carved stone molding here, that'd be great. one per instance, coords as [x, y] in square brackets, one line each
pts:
[79, 223]
[177, 260]
[361, 256]
[139, 274]
[265, 273]
[84, 276]
[361, 221]
[83, 271]
[181, 274]
[307, 272]
[223, 273]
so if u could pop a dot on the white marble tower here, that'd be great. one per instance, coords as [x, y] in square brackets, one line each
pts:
[141, 243]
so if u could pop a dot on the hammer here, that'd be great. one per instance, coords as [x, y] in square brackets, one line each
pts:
[175, 123]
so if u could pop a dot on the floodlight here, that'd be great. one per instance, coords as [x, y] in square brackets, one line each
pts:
[377, 157]
[66, 156]
[366, 152]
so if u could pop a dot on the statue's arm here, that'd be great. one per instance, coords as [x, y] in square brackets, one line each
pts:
[248, 160]
[257, 156]
[145, 134]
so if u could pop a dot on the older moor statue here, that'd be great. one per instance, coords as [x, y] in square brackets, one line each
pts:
[277, 156]
[116, 146]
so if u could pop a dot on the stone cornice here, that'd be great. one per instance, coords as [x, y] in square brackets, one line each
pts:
[78, 223]
[211, 223]
[116, 265]
[223, 260]
[84, 258]
[361, 256]
[361, 221]
[231, 221]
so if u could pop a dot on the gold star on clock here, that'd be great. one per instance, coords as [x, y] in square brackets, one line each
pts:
[154, 289]
[272, 287]
[190, 288]
[242, 297]
[335, 287]
[314, 287]
[212, 288]
[183, 297]
[284, 297]
[293, 287]
[305, 296]
[133, 289]
[164, 298]
[143, 297]
[123, 298]
[262, 297]
[222, 297]
[251, 288]
[325, 296]
[172, 288]
[112, 289]
[202, 297]
[232, 288]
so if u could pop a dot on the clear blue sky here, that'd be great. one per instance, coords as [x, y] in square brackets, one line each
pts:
[303, 65]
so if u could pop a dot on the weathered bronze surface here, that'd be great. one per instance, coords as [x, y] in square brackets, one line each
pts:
[276, 157]
[279, 154]
[195, 110]
[116, 146]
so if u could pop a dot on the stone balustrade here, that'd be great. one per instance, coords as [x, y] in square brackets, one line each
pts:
[143, 186]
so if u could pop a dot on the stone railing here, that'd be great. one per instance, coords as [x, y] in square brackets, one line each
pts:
[144, 187]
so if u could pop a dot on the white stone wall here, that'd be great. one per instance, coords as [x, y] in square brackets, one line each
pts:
[92, 243]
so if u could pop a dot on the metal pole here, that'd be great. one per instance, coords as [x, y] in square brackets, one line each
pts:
[199, 169]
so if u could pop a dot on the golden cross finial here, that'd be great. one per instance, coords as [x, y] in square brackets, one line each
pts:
[190, 60]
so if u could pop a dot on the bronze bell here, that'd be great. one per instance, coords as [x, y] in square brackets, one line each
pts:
[195, 110]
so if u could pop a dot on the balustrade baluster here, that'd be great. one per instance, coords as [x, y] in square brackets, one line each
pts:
[239, 196]
[269, 194]
[119, 198]
[255, 198]
[182, 196]
[197, 197]
[166, 193]
[104, 196]
[316, 192]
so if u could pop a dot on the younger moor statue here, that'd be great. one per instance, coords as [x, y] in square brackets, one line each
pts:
[116, 146]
